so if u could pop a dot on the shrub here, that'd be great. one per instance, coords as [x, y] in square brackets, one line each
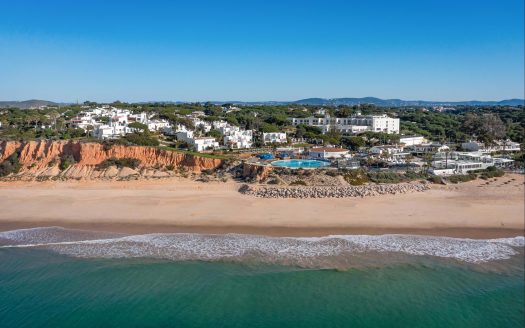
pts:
[492, 172]
[119, 162]
[170, 167]
[385, 177]
[298, 183]
[66, 161]
[207, 172]
[141, 139]
[53, 162]
[10, 165]
[412, 175]
[436, 179]
[356, 177]
[462, 178]
[107, 144]
[332, 173]
[138, 126]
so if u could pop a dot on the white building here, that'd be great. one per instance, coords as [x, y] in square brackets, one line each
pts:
[392, 154]
[412, 140]
[239, 139]
[234, 137]
[82, 121]
[158, 125]
[274, 137]
[110, 131]
[197, 143]
[353, 124]
[327, 153]
[465, 162]
[499, 145]
[118, 121]
[426, 148]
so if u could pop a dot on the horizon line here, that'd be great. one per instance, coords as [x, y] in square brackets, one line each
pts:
[261, 101]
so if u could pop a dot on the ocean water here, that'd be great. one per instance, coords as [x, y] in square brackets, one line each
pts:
[54, 277]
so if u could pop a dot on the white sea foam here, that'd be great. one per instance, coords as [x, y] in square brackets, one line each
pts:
[43, 235]
[188, 246]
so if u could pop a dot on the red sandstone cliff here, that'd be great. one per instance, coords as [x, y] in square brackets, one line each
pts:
[41, 158]
[255, 172]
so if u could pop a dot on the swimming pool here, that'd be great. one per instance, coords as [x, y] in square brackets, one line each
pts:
[300, 163]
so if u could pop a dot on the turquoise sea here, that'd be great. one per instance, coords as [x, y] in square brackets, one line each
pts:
[53, 277]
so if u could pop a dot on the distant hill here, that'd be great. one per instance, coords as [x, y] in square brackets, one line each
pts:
[26, 104]
[400, 102]
[308, 101]
[379, 102]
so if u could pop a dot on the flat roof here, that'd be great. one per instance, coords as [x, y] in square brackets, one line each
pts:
[329, 149]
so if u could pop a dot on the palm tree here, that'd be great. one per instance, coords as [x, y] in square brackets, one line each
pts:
[428, 162]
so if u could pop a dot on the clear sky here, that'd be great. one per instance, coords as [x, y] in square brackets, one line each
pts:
[254, 50]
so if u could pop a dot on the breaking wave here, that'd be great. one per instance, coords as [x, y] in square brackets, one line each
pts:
[315, 251]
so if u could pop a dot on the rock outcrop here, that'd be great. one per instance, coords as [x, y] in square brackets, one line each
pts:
[42, 159]
[331, 191]
[255, 172]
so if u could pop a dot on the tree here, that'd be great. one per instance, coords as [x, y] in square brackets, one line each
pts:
[354, 142]
[486, 128]
[308, 132]
[89, 128]
[267, 127]
[427, 158]
[331, 137]
[53, 116]
[470, 123]
[491, 128]
[138, 126]
[215, 134]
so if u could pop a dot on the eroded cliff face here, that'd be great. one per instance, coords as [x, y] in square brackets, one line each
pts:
[255, 172]
[42, 159]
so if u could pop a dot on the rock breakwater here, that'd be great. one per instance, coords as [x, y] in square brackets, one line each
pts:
[331, 191]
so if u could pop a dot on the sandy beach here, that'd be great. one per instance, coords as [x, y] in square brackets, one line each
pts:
[478, 209]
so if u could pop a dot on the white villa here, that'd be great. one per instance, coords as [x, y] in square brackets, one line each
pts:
[500, 145]
[237, 139]
[328, 153]
[197, 143]
[158, 125]
[354, 124]
[274, 137]
[117, 124]
[234, 137]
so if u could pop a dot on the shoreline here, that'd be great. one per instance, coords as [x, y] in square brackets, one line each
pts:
[476, 209]
[127, 228]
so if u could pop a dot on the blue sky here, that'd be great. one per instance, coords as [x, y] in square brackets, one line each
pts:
[261, 50]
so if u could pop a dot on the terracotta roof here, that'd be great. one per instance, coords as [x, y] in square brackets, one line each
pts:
[329, 150]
